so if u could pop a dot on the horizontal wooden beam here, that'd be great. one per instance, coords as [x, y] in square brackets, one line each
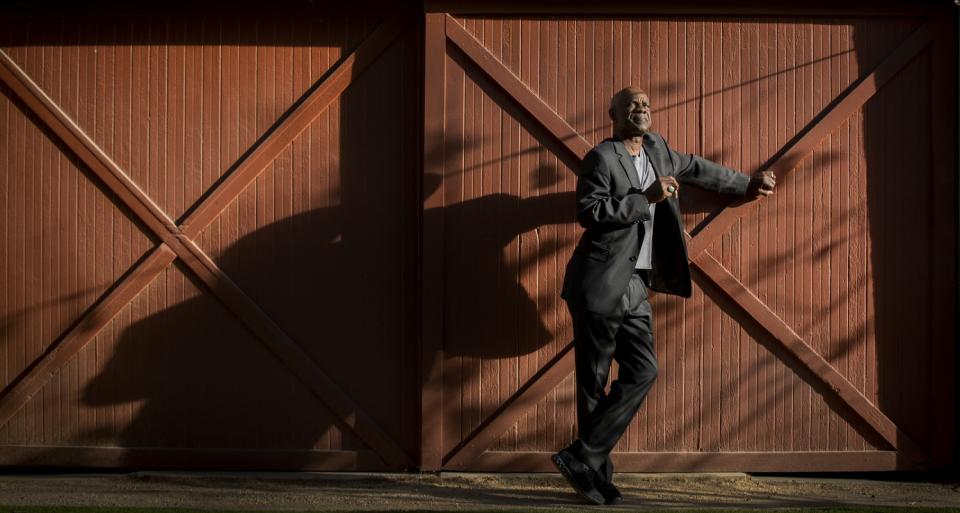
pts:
[617, 9]
[156, 458]
[759, 461]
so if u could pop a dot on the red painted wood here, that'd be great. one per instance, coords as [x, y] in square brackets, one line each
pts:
[726, 387]
[867, 413]
[202, 266]
[287, 206]
[461, 457]
[293, 123]
[431, 334]
[29, 383]
[154, 135]
[515, 88]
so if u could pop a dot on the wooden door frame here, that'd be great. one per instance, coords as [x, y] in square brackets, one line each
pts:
[444, 33]
[179, 241]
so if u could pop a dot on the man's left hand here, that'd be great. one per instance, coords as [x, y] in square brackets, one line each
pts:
[762, 183]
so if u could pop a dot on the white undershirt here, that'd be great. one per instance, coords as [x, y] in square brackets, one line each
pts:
[647, 177]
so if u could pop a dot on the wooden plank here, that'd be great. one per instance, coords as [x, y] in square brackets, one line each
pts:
[486, 268]
[669, 379]
[47, 245]
[766, 386]
[68, 263]
[819, 127]
[858, 259]
[527, 364]
[691, 336]
[685, 7]
[944, 253]
[472, 175]
[294, 121]
[737, 369]
[793, 416]
[432, 269]
[820, 414]
[546, 379]
[451, 190]
[510, 263]
[710, 436]
[7, 242]
[517, 90]
[177, 459]
[723, 281]
[841, 193]
[84, 330]
[804, 418]
[670, 461]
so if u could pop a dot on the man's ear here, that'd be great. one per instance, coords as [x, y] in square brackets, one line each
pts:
[610, 113]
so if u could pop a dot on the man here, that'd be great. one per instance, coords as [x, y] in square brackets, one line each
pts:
[627, 199]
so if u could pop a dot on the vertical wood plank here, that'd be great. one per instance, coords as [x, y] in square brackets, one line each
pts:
[432, 428]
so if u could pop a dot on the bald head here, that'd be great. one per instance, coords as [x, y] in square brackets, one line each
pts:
[624, 95]
[630, 112]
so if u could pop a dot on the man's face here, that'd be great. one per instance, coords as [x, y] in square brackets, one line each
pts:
[631, 114]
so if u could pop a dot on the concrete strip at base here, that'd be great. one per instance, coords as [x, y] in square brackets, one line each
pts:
[300, 491]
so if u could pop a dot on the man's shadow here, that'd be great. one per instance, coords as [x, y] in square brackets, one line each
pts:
[339, 281]
[330, 283]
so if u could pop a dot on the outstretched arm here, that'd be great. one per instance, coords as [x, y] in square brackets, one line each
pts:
[712, 176]
[708, 175]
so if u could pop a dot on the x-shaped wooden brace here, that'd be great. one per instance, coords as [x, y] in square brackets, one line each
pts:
[179, 242]
[707, 271]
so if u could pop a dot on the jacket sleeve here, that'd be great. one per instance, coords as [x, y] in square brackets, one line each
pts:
[706, 174]
[596, 205]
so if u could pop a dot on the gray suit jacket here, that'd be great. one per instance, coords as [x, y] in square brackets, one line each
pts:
[611, 207]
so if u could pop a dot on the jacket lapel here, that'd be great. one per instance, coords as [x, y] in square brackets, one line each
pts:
[627, 164]
[660, 161]
[655, 156]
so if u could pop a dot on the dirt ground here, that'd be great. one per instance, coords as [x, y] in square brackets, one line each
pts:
[338, 491]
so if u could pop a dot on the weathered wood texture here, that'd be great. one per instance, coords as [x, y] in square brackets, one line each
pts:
[241, 146]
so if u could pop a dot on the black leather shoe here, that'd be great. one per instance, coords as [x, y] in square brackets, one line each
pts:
[611, 495]
[580, 476]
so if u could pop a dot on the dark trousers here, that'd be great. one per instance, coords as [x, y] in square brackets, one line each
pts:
[624, 335]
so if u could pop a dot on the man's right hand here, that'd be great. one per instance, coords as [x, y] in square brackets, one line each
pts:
[660, 189]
